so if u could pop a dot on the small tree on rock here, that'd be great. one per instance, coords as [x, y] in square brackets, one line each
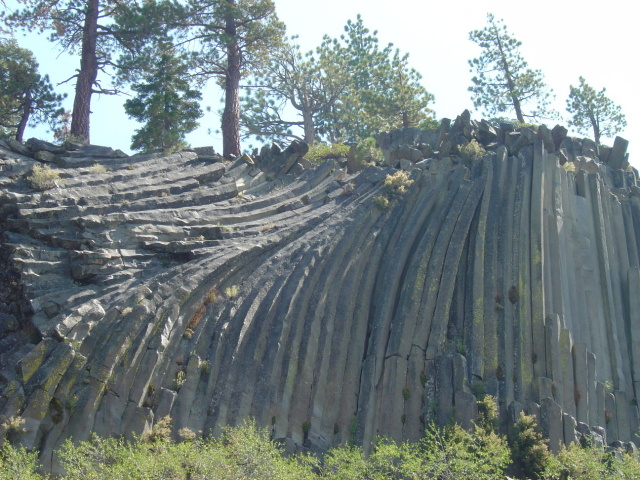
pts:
[593, 110]
[168, 105]
[503, 81]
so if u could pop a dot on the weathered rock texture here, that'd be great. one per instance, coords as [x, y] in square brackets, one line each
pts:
[180, 285]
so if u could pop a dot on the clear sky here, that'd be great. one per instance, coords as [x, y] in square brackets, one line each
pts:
[563, 38]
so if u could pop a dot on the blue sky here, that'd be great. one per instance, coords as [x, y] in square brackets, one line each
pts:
[564, 39]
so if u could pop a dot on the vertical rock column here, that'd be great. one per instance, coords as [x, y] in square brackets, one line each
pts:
[537, 255]
[581, 378]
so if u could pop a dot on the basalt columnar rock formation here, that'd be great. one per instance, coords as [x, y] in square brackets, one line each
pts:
[211, 291]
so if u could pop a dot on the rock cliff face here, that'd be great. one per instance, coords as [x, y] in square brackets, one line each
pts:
[182, 285]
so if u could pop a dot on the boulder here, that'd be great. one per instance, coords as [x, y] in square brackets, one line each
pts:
[487, 133]
[45, 156]
[95, 151]
[558, 133]
[514, 411]
[407, 152]
[406, 165]
[617, 157]
[18, 147]
[569, 429]
[36, 145]
[445, 146]
[353, 165]
[546, 136]
[527, 137]
[589, 148]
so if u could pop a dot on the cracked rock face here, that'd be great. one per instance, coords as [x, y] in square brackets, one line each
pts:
[208, 291]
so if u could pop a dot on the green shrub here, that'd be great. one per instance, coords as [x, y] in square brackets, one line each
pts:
[453, 453]
[516, 124]
[591, 463]
[43, 177]
[211, 296]
[472, 150]
[17, 463]
[368, 153]
[246, 452]
[532, 126]
[487, 413]
[14, 425]
[381, 202]
[161, 431]
[528, 447]
[205, 368]
[181, 377]
[319, 152]
[397, 183]
[97, 168]
[231, 292]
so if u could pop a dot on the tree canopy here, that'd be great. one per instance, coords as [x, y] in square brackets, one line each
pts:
[88, 28]
[310, 85]
[26, 97]
[166, 102]
[346, 90]
[229, 39]
[592, 110]
[503, 81]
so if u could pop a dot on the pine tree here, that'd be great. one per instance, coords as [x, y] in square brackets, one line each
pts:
[167, 103]
[383, 92]
[229, 40]
[26, 97]
[408, 101]
[88, 28]
[503, 81]
[593, 110]
[347, 90]
[529, 448]
[307, 83]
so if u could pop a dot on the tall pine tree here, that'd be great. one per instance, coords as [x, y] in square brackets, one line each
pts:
[503, 81]
[88, 28]
[229, 39]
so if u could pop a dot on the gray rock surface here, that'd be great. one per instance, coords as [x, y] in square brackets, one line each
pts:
[211, 291]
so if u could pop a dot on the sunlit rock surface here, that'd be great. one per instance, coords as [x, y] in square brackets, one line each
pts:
[212, 291]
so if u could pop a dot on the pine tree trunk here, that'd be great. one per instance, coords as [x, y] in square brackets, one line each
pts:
[87, 75]
[231, 114]
[309, 127]
[510, 84]
[516, 106]
[596, 128]
[26, 112]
